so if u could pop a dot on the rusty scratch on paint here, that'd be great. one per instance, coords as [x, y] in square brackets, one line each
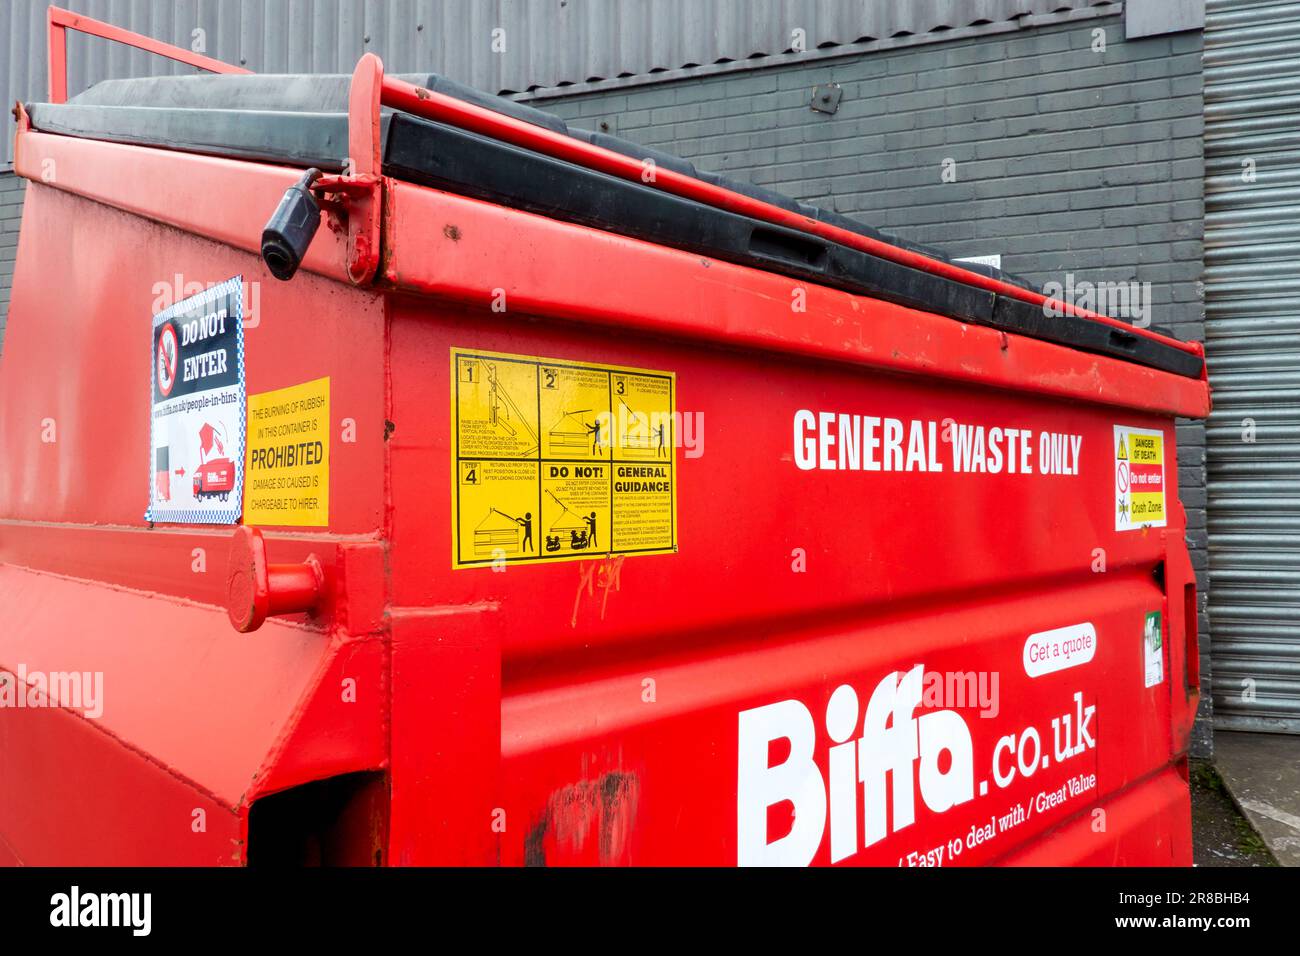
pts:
[606, 805]
[605, 575]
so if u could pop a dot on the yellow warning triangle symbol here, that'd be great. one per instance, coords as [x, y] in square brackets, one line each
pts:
[1122, 453]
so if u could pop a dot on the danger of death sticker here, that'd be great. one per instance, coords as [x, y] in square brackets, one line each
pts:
[288, 467]
[196, 389]
[555, 460]
[1139, 478]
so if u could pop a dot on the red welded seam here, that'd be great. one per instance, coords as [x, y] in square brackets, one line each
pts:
[143, 754]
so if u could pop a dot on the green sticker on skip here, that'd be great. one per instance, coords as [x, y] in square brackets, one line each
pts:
[1153, 649]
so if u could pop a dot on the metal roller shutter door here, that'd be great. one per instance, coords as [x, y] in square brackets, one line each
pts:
[1252, 298]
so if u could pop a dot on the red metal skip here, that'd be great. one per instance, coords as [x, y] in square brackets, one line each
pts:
[899, 665]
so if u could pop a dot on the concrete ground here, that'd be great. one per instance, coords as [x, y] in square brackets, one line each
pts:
[1262, 774]
[1221, 836]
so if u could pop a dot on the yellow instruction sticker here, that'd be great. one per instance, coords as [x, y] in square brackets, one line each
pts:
[557, 460]
[287, 472]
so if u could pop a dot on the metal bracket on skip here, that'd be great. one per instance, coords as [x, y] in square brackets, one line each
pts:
[256, 589]
[352, 202]
[354, 199]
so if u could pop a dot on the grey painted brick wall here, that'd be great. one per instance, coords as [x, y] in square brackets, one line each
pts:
[1068, 160]
[11, 212]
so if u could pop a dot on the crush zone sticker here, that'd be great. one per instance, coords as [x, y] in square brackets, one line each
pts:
[557, 460]
[1139, 478]
[196, 405]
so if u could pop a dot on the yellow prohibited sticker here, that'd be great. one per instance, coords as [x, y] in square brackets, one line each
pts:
[556, 460]
[287, 473]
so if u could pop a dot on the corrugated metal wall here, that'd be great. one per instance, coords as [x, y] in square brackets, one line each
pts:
[1252, 275]
[547, 42]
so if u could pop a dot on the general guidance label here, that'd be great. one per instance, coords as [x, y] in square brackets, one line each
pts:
[1139, 478]
[556, 460]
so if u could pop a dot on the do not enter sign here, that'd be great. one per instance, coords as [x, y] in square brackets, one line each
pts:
[197, 412]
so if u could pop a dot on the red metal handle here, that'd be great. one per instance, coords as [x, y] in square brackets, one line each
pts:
[61, 21]
[255, 589]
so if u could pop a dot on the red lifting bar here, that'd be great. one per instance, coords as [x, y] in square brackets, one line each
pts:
[61, 21]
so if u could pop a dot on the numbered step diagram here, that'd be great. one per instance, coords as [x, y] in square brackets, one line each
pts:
[558, 460]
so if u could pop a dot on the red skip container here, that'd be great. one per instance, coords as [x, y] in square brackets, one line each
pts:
[570, 506]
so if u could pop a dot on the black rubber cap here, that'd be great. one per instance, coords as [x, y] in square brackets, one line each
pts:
[290, 229]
